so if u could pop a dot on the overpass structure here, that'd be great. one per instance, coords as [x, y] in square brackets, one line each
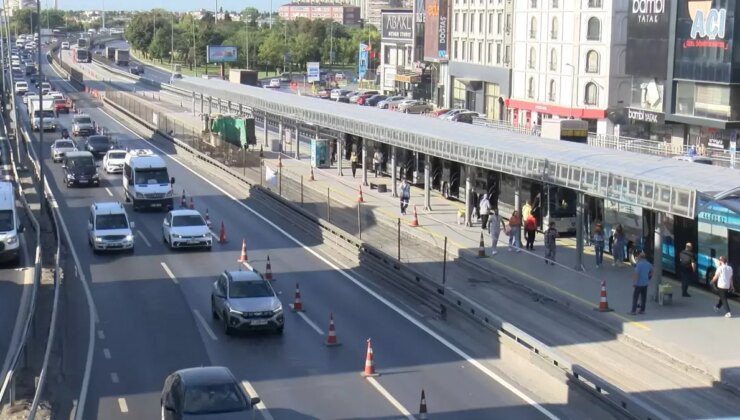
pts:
[657, 183]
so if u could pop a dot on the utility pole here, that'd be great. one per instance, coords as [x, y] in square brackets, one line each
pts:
[195, 53]
[172, 43]
[247, 40]
[40, 78]
[331, 45]
[103, 14]
[270, 14]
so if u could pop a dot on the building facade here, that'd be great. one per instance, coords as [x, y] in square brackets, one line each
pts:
[373, 9]
[13, 5]
[397, 71]
[569, 61]
[480, 59]
[341, 13]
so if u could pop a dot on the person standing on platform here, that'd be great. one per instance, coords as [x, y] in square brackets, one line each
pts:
[496, 224]
[485, 212]
[687, 268]
[551, 236]
[526, 210]
[515, 228]
[377, 162]
[620, 241]
[530, 230]
[405, 195]
[640, 280]
[599, 241]
[353, 162]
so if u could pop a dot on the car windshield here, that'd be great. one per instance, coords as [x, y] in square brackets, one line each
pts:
[188, 220]
[117, 155]
[151, 176]
[80, 162]
[213, 398]
[6, 220]
[250, 289]
[111, 221]
[64, 145]
[82, 120]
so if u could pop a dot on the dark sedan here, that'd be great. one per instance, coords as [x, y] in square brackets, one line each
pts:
[99, 145]
[373, 100]
[136, 69]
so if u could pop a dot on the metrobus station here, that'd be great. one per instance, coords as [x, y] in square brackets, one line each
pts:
[661, 203]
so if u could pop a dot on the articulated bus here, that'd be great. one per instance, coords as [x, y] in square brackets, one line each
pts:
[80, 55]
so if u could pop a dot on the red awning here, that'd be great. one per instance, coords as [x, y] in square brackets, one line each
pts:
[586, 113]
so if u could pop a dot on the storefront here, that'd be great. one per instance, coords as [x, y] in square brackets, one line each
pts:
[482, 89]
[527, 114]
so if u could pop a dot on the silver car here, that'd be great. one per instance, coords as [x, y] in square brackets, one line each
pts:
[60, 147]
[243, 300]
[412, 106]
[385, 102]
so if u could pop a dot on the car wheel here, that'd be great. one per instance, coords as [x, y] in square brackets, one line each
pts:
[227, 329]
[214, 313]
[164, 238]
[280, 330]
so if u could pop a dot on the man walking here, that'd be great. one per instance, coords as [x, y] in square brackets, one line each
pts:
[485, 212]
[530, 230]
[551, 234]
[723, 279]
[353, 162]
[405, 195]
[377, 162]
[496, 224]
[687, 268]
[640, 280]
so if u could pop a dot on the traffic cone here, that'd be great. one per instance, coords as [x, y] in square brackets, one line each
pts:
[280, 161]
[183, 200]
[415, 220]
[369, 366]
[297, 305]
[222, 234]
[331, 337]
[268, 269]
[192, 205]
[481, 247]
[312, 178]
[208, 221]
[359, 195]
[603, 303]
[243, 256]
[423, 406]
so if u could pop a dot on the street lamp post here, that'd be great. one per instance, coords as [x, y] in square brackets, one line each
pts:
[172, 43]
[246, 49]
[572, 87]
[40, 79]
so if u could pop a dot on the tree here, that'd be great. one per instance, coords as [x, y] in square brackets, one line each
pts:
[139, 31]
[303, 48]
[160, 46]
[227, 17]
[250, 15]
[272, 49]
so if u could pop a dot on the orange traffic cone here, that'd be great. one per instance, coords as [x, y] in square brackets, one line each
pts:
[208, 221]
[331, 337]
[415, 220]
[481, 247]
[268, 269]
[369, 366]
[243, 256]
[192, 205]
[312, 177]
[360, 199]
[222, 234]
[183, 200]
[603, 303]
[297, 306]
[423, 406]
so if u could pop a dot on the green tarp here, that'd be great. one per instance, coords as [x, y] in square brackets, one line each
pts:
[233, 130]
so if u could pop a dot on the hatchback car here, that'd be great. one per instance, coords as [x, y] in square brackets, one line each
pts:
[243, 300]
[373, 100]
[60, 147]
[186, 228]
[210, 392]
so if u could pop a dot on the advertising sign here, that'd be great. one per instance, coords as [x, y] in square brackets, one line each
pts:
[419, 11]
[442, 32]
[398, 26]
[704, 40]
[647, 38]
[313, 73]
[221, 53]
[362, 60]
[436, 30]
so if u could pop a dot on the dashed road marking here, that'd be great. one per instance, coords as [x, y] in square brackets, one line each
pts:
[205, 325]
[143, 238]
[261, 405]
[122, 405]
[114, 377]
[310, 323]
[106, 353]
[110, 193]
[101, 335]
[169, 272]
[387, 395]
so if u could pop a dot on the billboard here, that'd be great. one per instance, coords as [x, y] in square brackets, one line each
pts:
[362, 60]
[704, 41]
[436, 30]
[397, 26]
[313, 72]
[221, 53]
[647, 38]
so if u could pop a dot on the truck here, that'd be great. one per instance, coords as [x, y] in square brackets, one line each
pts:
[110, 53]
[243, 77]
[122, 57]
[50, 121]
[569, 130]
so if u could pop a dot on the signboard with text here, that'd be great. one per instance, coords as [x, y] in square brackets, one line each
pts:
[362, 60]
[436, 30]
[313, 72]
[221, 53]
[397, 26]
[647, 38]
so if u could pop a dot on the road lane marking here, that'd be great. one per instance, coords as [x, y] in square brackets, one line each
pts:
[122, 405]
[106, 353]
[310, 323]
[101, 335]
[109, 191]
[143, 238]
[169, 273]
[264, 412]
[387, 395]
[344, 272]
[114, 377]
[205, 325]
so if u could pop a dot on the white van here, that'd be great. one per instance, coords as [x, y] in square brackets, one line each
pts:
[146, 182]
[10, 225]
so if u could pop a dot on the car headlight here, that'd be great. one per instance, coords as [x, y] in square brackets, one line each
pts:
[168, 194]
[98, 239]
[70, 176]
[277, 310]
[207, 235]
[11, 239]
[95, 176]
[129, 238]
[235, 312]
[175, 235]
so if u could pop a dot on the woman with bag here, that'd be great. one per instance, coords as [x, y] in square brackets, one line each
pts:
[514, 231]
[619, 244]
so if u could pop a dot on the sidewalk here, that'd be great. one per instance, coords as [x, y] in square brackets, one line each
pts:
[689, 331]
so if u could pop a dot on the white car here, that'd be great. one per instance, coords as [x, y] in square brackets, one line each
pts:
[113, 161]
[21, 88]
[695, 159]
[60, 148]
[186, 228]
[45, 88]
[274, 83]
[65, 45]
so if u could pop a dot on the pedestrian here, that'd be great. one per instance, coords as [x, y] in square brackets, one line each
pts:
[476, 206]
[723, 280]
[551, 235]
[353, 162]
[526, 210]
[496, 225]
[598, 241]
[485, 209]
[377, 162]
[515, 227]
[619, 244]
[530, 230]
[405, 195]
[687, 268]
[640, 280]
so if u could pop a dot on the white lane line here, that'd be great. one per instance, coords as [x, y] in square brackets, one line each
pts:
[143, 238]
[470, 359]
[264, 412]
[110, 193]
[205, 325]
[114, 377]
[106, 353]
[122, 405]
[169, 273]
[310, 323]
[101, 335]
[387, 395]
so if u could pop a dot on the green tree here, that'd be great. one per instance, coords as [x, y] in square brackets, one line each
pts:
[272, 49]
[139, 32]
[303, 48]
[160, 45]
[250, 14]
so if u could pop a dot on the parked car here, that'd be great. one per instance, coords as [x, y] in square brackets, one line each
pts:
[324, 93]
[451, 113]
[367, 94]
[384, 103]
[60, 147]
[373, 100]
[438, 112]
[393, 105]
[465, 117]
[412, 106]
[336, 93]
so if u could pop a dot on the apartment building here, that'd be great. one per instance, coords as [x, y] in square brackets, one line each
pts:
[569, 61]
[371, 9]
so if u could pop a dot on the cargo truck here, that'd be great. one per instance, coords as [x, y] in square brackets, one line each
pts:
[243, 77]
[110, 52]
[122, 57]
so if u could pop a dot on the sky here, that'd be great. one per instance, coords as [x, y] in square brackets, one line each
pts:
[178, 5]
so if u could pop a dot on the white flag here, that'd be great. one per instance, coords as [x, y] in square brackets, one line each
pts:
[270, 176]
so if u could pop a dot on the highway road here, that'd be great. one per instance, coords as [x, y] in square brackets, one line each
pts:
[152, 318]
